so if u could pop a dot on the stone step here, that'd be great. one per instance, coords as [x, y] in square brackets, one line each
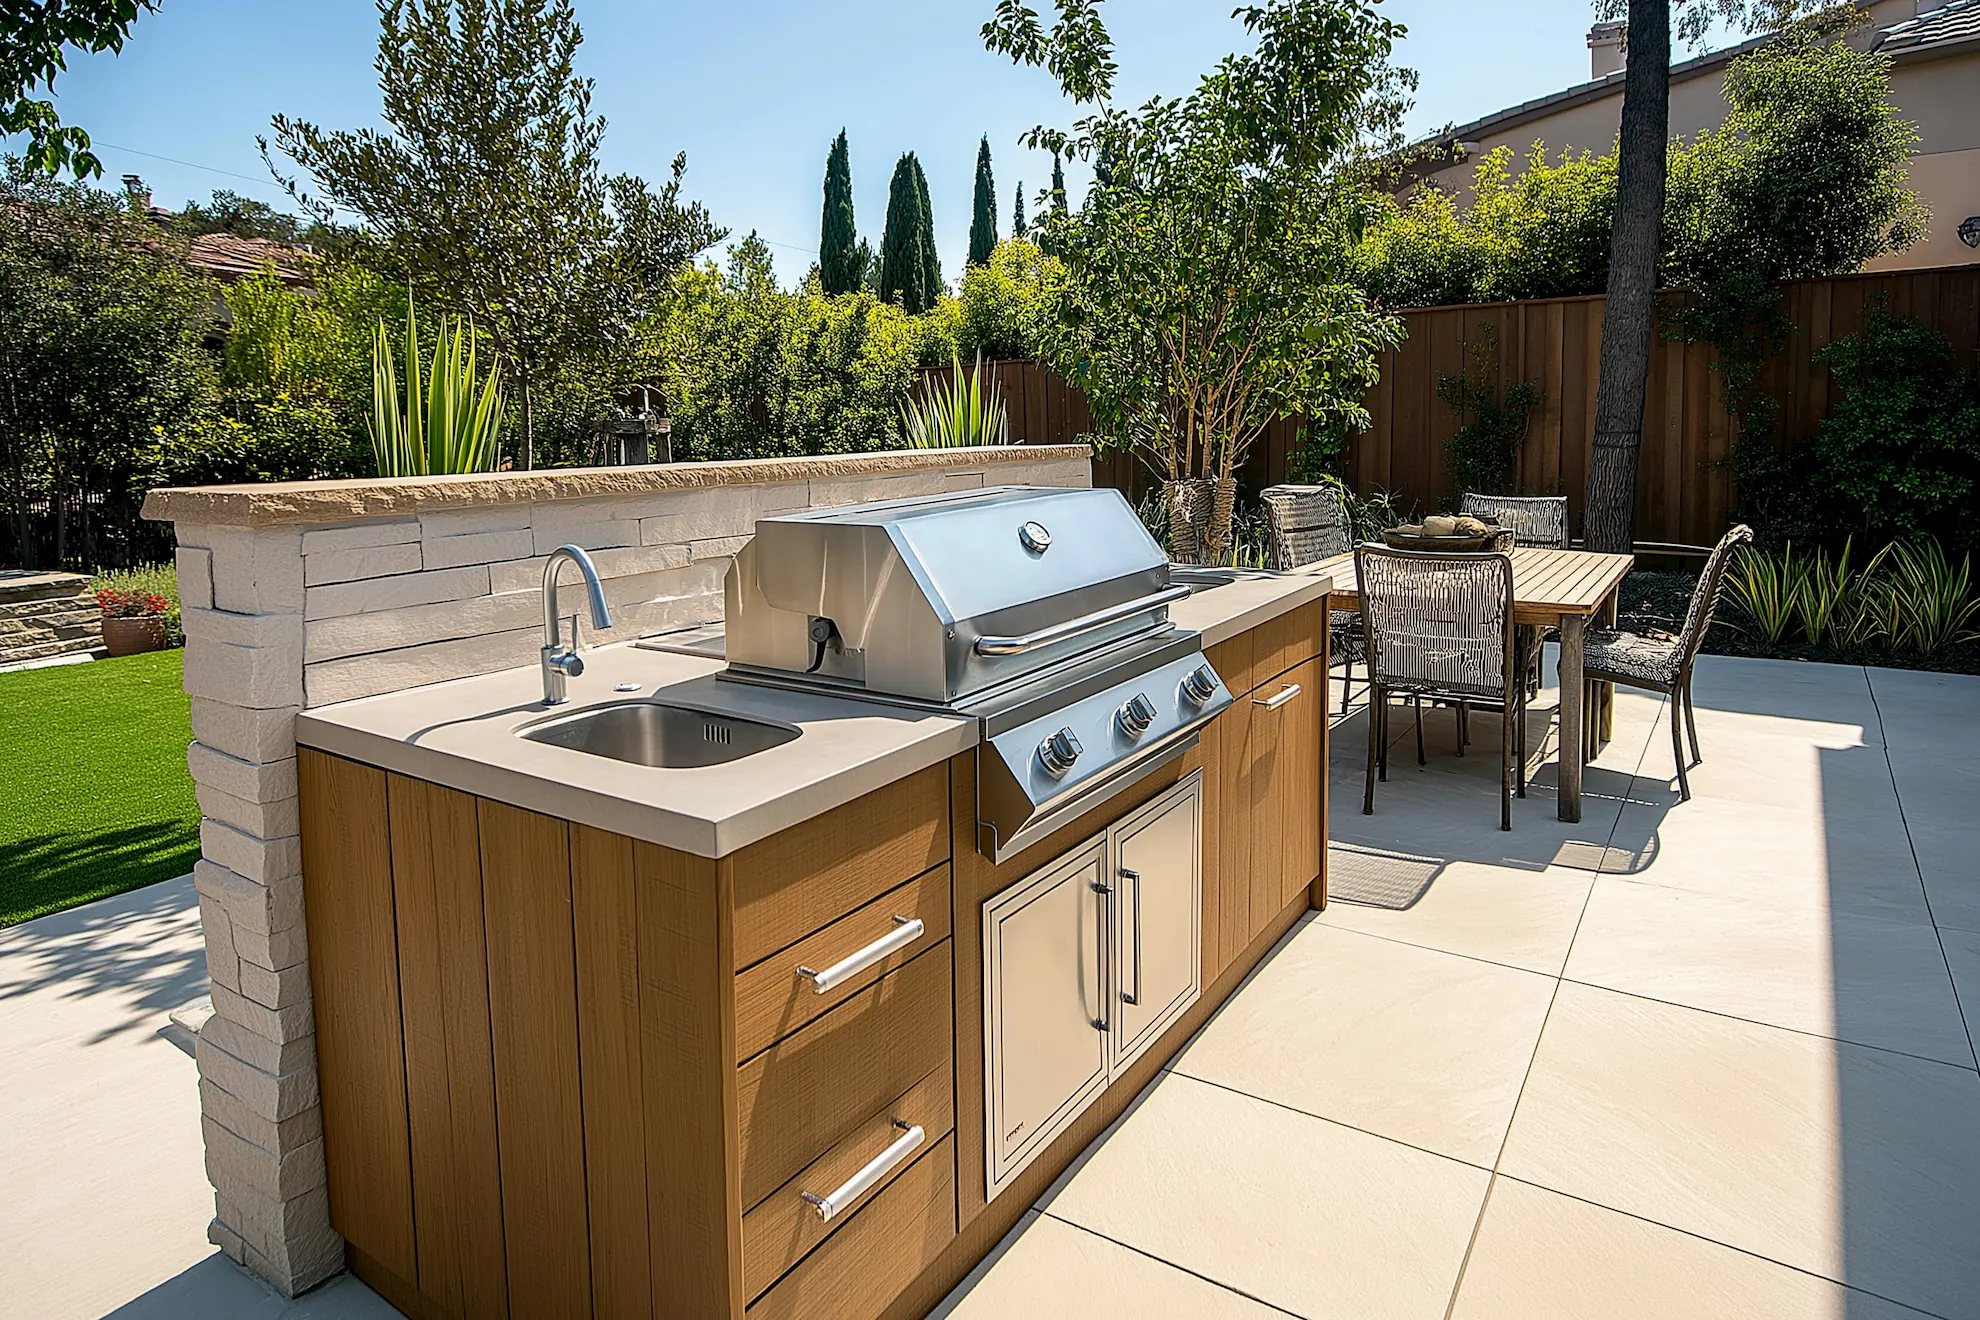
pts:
[35, 609]
[42, 650]
[20, 584]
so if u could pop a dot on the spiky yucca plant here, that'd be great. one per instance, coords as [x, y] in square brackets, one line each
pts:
[443, 424]
[969, 410]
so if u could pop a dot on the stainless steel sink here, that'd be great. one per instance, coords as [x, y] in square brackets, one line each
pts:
[656, 734]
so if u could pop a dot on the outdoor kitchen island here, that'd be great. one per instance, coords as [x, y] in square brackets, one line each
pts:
[713, 1040]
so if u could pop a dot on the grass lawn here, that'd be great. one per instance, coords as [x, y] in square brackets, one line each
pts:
[94, 794]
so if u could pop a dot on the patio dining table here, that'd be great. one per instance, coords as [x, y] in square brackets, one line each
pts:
[1565, 589]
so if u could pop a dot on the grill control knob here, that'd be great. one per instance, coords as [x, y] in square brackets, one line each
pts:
[1135, 715]
[1058, 752]
[1199, 685]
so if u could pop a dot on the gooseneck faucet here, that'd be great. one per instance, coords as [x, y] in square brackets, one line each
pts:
[560, 661]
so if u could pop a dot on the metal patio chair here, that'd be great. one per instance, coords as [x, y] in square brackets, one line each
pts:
[1540, 520]
[1440, 625]
[1664, 664]
[1308, 524]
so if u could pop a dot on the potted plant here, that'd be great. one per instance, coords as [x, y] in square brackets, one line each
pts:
[133, 621]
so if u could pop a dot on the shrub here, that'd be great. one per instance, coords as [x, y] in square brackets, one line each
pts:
[1909, 597]
[1483, 454]
[145, 589]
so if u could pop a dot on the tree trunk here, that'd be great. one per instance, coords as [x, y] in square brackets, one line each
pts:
[1629, 316]
[529, 427]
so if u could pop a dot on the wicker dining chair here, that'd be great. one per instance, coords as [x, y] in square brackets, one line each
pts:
[1308, 524]
[1440, 625]
[1534, 519]
[1664, 664]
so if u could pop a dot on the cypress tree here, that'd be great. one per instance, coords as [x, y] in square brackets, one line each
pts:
[931, 261]
[983, 211]
[1058, 185]
[838, 269]
[1017, 211]
[903, 273]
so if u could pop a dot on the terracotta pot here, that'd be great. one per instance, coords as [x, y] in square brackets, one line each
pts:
[132, 636]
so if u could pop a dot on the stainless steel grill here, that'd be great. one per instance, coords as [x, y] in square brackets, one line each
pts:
[1041, 612]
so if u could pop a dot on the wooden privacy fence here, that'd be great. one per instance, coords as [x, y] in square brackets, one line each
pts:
[1684, 495]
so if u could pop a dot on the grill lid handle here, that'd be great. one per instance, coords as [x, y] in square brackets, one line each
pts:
[1085, 623]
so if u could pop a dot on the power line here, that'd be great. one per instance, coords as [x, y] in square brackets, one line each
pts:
[210, 169]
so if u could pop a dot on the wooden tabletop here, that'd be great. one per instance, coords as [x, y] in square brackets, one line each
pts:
[1547, 584]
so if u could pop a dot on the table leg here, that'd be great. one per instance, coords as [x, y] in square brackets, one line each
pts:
[1574, 628]
[1607, 691]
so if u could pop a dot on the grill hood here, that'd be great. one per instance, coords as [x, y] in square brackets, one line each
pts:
[942, 599]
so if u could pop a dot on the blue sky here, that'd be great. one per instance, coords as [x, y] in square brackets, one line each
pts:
[752, 90]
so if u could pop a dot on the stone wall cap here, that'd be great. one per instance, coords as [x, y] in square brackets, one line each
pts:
[297, 503]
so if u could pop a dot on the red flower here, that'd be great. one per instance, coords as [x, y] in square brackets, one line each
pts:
[130, 604]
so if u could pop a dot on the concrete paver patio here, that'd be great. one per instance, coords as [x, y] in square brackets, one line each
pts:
[1702, 1059]
[1712, 1058]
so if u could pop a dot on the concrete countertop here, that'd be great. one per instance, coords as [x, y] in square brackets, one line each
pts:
[463, 734]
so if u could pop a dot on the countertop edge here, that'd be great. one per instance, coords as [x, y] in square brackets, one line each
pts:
[1310, 589]
[645, 821]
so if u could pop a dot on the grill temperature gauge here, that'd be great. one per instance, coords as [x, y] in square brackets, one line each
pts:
[1135, 715]
[1058, 752]
[1199, 685]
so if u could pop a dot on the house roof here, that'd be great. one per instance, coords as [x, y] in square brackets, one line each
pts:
[229, 257]
[1955, 22]
[1926, 36]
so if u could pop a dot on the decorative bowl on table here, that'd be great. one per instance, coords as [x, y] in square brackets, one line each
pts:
[1440, 533]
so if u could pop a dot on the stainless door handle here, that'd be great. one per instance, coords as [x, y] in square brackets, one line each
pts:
[1085, 623]
[1135, 876]
[872, 1172]
[906, 931]
[1101, 927]
[1279, 698]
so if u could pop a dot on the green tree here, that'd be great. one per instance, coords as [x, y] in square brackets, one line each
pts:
[488, 195]
[102, 359]
[1058, 185]
[903, 265]
[230, 213]
[1207, 289]
[1017, 211]
[931, 261]
[839, 268]
[983, 213]
[35, 38]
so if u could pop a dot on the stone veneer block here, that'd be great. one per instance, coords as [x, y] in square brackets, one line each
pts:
[260, 677]
[223, 963]
[254, 781]
[414, 666]
[256, 570]
[285, 1175]
[361, 536]
[249, 856]
[267, 631]
[291, 1021]
[559, 527]
[270, 820]
[260, 736]
[264, 908]
[366, 562]
[416, 625]
[478, 548]
[244, 1120]
[195, 572]
[266, 1057]
[277, 1095]
[527, 574]
[390, 593]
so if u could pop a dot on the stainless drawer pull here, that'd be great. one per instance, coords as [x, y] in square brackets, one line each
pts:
[1279, 698]
[1135, 876]
[905, 932]
[876, 1168]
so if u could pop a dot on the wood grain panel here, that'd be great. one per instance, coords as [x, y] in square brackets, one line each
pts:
[605, 921]
[786, 1226]
[687, 1042]
[806, 1093]
[1302, 780]
[1285, 641]
[1232, 659]
[882, 1249]
[1211, 751]
[1242, 799]
[450, 1070]
[354, 976]
[772, 1001]
[532, 1014]
[800, 880]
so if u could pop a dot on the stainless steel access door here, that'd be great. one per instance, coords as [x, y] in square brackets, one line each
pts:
[1157, 855]
[1046, 945]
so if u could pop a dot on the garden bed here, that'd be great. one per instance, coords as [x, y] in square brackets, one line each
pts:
[1658, 600]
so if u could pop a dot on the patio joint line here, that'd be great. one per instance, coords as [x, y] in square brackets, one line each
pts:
[1772, 1026]
[1729, 1246]
[1478, 1224]
[1129, 1246]
[1431, 948]
[1884, 741]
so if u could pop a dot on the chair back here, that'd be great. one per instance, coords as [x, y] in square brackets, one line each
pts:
[1705, 596]
[1309, 523]
[1535, 519]
[1437, 620]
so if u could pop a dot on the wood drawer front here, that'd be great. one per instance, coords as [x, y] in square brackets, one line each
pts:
[1291, 639]
[777, 1233]
[858, 1272]
[806, 877]
[813, 1089]
[772, 1000]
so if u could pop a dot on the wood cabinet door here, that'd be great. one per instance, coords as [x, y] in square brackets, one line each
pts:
[1298, 776]
[1240, 805]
